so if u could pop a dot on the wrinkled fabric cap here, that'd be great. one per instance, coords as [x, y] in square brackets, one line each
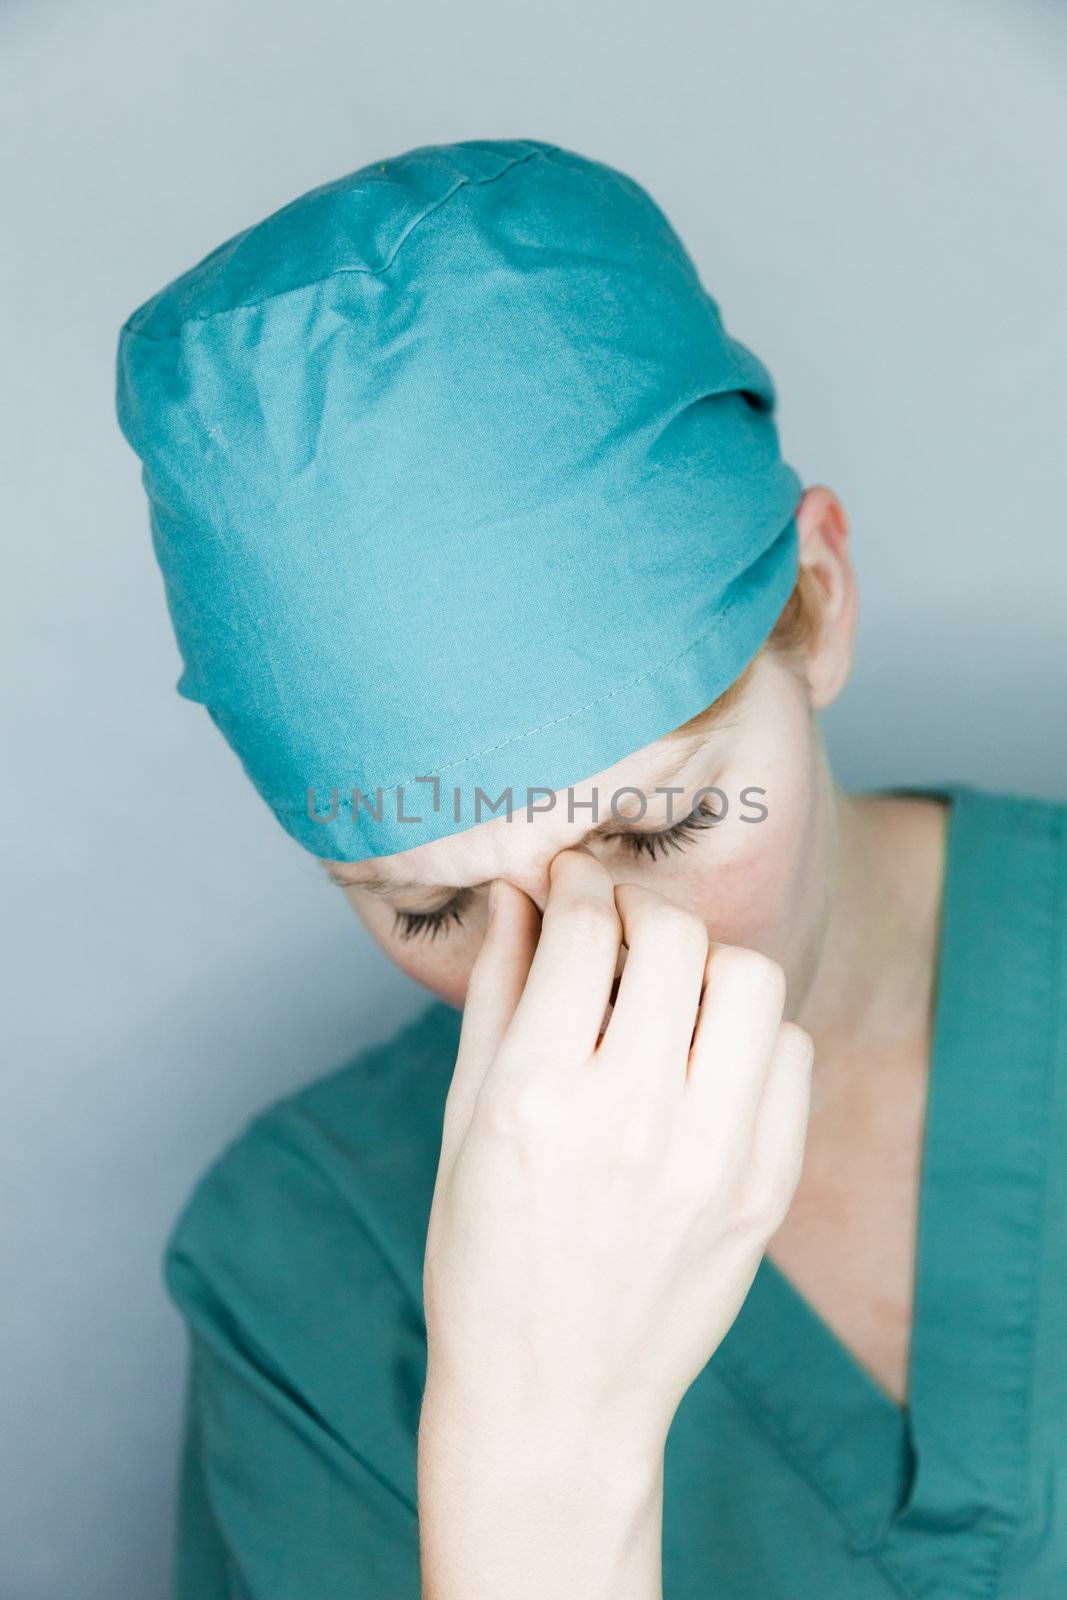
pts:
[458, 487]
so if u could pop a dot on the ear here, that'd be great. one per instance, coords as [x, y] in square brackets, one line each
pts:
[822, 530]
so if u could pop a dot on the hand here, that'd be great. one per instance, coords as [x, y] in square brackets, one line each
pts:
[601, 1209]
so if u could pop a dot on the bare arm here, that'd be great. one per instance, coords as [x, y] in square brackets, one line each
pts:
[532, 1509]
[602, 1202]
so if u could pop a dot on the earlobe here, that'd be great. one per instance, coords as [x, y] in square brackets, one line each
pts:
[831, 659]
[827, 683]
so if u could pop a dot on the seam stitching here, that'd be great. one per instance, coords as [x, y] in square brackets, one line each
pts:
[629, 683]
[312, 283]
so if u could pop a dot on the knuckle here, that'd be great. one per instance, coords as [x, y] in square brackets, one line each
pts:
[797, 1043]
[669, 923]
[584, 917]
[739, 963]
[764, 1202]
[522, 1107]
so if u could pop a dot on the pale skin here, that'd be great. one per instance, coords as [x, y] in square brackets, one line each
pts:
[605, 1194]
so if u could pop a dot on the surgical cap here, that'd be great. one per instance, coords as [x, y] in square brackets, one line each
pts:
[460, 491]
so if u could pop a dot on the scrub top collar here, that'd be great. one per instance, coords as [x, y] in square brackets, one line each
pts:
[903, 1480]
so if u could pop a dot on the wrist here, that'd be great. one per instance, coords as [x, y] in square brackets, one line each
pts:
[536, 1505]
[558, 1436]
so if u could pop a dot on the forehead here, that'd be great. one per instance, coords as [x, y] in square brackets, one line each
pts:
[603, 803]
[599, 804]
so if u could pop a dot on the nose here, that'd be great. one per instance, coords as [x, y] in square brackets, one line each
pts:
[535, 881]
[534, 878]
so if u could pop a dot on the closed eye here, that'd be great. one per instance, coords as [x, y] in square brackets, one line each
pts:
[428, 924]
[635, 842]
[664, 840]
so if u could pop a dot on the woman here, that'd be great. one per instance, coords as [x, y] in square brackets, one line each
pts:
[716, 1246]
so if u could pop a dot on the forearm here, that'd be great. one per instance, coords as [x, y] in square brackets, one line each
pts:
[533, 1510]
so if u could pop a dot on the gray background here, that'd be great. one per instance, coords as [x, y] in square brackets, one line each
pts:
[875, 195]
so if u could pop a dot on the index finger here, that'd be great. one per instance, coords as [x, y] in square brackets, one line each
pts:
[573, 969]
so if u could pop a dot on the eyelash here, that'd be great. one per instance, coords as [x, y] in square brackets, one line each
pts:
[428, 924]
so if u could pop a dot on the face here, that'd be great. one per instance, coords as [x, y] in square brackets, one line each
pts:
[753, 859]
[750, 859]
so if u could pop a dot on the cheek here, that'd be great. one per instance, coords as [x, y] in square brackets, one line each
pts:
[441, 964]
[443, 973]
[757, 883]
[762, 883]
[738, 884]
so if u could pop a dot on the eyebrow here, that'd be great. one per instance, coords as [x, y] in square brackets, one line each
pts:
[383, 885]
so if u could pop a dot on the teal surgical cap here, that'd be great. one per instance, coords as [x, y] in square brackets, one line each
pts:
[459, 489]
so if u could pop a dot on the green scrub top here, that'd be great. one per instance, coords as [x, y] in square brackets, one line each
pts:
[790, 1474]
